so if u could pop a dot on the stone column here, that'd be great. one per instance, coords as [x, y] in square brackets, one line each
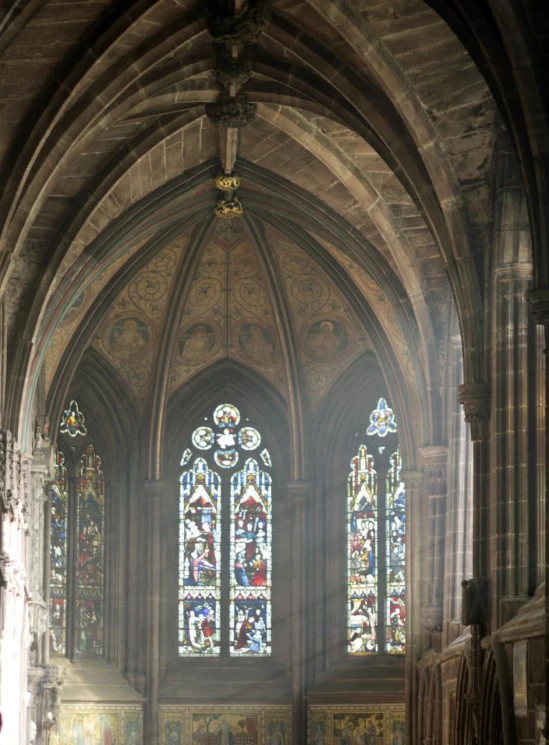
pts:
[539, 301]
[153, 493]
[475, 397]
[299, 495]
[435, 460]
[513, 441]
[416, 533]
[459, 522]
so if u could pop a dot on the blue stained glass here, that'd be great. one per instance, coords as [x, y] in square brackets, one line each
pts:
[251, 561]
[72, 421]
[199, 562]
[362, 559]
[395, 636]
[382, 420]
[90, 564]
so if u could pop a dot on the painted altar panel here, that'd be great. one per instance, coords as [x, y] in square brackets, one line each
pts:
[225, 725]
[356, 725]
[99, 724]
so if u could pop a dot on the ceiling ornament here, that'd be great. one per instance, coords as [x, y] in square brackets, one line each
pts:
[234, 27]
[229, 208]
[227, 182]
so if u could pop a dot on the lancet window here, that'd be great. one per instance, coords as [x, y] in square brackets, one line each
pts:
[376, 541]
[77, 558]
[225, 540]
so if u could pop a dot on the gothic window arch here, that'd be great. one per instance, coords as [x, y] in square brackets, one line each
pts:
[376, 540]
[77, 544]
[225, 539]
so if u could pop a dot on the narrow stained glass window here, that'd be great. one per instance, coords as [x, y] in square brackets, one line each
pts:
[251, 534]
[376, 541]
[362, 554]
[199, 561]
[90, 554]
[395, 636]
[58, 563]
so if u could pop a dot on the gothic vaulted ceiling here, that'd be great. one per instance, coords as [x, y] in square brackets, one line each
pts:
[365, 185]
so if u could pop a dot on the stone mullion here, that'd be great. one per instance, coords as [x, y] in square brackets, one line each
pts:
[153, 493]
[299, 493]
[415, 532]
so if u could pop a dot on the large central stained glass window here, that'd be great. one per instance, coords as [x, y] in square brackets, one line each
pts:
[376, 541]
[225, 540]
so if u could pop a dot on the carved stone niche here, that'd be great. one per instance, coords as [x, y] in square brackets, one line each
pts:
[474, 607]
[431, 620]
[51, 687]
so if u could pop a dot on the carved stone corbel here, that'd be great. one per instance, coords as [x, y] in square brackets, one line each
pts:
[475, 399]
[474, 607]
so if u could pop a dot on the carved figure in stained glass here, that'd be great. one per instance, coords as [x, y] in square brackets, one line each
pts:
[382, 420]
[72, 421]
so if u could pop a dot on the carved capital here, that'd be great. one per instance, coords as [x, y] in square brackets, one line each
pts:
[475, 399]
[539, 302]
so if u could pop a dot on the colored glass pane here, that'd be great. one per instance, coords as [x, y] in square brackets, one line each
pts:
[362, 556]
[90, 554]
[382, 420]
[251, 561]
[72, 421]
[199, 561]
[58, 570]
[395, 635]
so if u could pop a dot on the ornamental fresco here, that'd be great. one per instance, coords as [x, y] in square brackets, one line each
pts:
[99, 724]
[228, 312]
[234, 725]
[356, 725]
[129, 334]
[329, 334]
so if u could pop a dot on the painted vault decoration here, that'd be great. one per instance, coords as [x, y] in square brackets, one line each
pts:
[360, 725]
[225, 725]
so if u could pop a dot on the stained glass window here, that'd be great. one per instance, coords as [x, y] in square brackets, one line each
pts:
[90, 520]
[251, 534]
[376, 541]
[72, 421]
[199, 561]
[213, 467]
[58, 560]
[395, 636]
[362, 554]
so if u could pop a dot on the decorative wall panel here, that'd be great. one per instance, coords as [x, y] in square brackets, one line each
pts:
[350, 725]
[236, 725]
[99, 724]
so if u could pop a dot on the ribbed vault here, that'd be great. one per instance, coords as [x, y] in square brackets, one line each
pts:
[394, 138]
